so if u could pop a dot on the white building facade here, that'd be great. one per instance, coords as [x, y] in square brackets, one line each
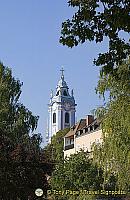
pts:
[61, 108]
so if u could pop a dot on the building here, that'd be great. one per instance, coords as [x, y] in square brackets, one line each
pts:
[61, 108]
[82, 135]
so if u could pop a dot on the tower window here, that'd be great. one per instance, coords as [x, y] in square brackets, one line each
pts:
[67, 117]
[65, 93]
[57, 93]
[54, 118]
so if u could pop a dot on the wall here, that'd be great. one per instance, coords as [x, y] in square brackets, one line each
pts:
[85, 141]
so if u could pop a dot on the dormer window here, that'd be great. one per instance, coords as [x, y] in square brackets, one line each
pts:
[65, 93]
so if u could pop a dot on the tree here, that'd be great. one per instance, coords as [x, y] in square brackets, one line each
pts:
[15, 119]
[76, 173]
[23, 164]
[94, 20]
[114, 153]
[23, 170]
[54, 150]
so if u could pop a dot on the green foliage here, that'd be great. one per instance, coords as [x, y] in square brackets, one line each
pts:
[54, 150]
[76, 173]
[15, 119]
[85, 197]
[117, 85]
[23, 164]
[114, 153]
[23, 168]
[93, 21]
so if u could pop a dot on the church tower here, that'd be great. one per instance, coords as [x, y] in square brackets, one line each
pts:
[61, 108]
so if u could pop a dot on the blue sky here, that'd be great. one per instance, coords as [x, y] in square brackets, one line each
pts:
[29, 44]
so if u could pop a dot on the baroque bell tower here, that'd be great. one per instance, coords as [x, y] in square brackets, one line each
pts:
[61, 108]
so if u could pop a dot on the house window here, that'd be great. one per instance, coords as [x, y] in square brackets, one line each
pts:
[91, 128]
[95, 126]
[81, 131]
[78, 133]
[86, 130]
[67, 117]
[71, 141]
[54, 118]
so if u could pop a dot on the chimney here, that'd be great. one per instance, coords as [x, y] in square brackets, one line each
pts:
[89, 119]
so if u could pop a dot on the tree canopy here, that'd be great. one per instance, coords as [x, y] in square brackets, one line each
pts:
[114, 153]
[23, 164]
[15, 119]
[93, 21]
[76, 173]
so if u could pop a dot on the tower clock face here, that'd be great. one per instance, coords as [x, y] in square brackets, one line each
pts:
[67, 106]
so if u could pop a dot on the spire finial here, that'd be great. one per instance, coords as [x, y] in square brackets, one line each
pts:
[62, 73]
[51, 94]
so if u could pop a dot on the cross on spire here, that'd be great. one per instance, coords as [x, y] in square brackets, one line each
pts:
[62, 72]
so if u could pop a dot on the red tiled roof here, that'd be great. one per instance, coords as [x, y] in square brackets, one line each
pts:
[76, 127]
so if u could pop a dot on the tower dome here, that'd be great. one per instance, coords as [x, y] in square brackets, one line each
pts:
[62, 83]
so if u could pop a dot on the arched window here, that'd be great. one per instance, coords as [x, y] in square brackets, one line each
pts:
[65, 93]
[54, 118]
[67, 117]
